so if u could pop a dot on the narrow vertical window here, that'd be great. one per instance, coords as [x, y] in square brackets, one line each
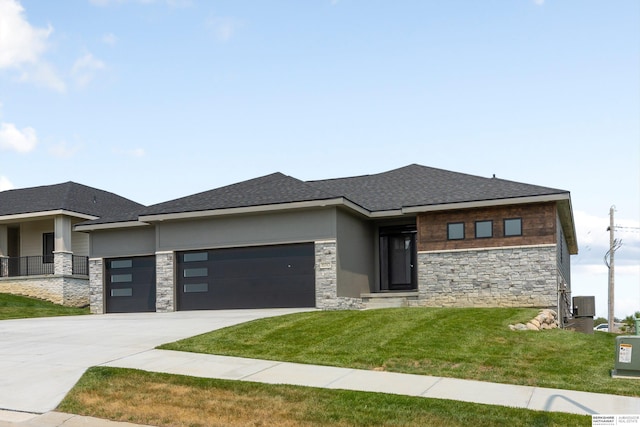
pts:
[47, 247]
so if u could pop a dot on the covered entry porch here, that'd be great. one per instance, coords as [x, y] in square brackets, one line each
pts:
[41, 257]
[396, 258]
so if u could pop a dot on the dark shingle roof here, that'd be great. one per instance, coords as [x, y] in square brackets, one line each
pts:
[409, 186]
[68, 196]
[417, 185]
[267, 190]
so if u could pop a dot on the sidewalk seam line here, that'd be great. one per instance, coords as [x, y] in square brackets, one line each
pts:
[124, 357]
[531, 397]
[349, 372]
[243, 378]
[431, 386]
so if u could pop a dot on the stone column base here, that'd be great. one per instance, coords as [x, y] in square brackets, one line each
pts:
[165, 282]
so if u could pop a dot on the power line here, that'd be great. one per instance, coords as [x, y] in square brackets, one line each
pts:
[617, 243]
[627, 229]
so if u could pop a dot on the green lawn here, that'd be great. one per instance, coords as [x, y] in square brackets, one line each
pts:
[461, 343]
[18, 307]
[173, 400]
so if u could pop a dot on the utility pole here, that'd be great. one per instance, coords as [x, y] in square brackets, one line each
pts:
[611, 269]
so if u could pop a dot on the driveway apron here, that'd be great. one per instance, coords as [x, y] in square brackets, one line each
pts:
[41, 359]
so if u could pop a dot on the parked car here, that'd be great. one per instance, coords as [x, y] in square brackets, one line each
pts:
[602, 327]
[617, 327]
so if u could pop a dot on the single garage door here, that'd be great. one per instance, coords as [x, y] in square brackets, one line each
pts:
[254, 277]
[131, 284]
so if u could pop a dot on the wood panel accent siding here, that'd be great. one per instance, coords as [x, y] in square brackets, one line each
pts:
[538, 227]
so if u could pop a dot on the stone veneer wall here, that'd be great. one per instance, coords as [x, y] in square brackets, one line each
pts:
[72, 291]
[165, 291]
[96, 280]
[4, 266]
[327, 279]
[62, 262]
[60, 288]
[500, 277]
[75, 291]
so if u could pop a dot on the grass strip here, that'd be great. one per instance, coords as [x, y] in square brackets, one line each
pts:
[176, 401]
[19, 307]
[470, 343]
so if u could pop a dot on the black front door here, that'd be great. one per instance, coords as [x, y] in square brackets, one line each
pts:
[398, 259]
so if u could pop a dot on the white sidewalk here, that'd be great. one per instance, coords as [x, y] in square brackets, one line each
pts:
[272, 372]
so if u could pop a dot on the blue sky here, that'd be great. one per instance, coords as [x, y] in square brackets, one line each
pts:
[155, 100]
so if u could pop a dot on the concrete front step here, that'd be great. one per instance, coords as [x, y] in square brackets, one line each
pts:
[391, 303]
[389, 299]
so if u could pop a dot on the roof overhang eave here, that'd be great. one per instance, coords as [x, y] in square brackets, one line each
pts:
[109, 225]
[565, 213]
[249, 210]
[487, 203]
[392, 213]
[42, 214]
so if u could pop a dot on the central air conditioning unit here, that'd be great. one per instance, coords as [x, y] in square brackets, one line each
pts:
[584, 309]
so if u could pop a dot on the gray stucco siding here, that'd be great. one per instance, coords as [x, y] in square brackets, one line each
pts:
[355, 255]
[123, 242]
[247, 230]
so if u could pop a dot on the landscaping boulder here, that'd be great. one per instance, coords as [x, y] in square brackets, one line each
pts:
[545, 320]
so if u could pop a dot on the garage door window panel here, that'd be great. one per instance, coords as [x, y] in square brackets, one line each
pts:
[195, 287]
[122, 263]
[195, 257]
[196, 272]
[121, 278]
[122, 292]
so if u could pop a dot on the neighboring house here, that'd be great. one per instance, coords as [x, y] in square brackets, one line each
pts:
[410, 236]
[40, 254]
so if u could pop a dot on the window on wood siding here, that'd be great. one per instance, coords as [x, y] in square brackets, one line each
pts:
[455, 231]
[484, 229]
[513, 227]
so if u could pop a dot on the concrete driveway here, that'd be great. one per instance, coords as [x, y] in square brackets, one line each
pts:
[41, 359]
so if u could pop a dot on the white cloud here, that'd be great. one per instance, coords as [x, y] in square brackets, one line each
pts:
[84, 69]
[22, 46]
[593, 238]
[539, 2]
[63, 150]
[5, 184]
[19, 41]
[43, 74]
[223, 28]
[109, 39]
[12, 138]
[589, 274]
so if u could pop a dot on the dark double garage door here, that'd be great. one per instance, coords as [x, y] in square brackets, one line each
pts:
[253, 277]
